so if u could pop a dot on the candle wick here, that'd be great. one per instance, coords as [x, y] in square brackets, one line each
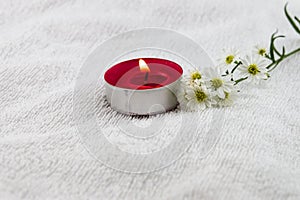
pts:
[146, 78]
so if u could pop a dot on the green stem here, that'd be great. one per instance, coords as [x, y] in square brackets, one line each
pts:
[240, 80]
[235, 67]
[276, 62]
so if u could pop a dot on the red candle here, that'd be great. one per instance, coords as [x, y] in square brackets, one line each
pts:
[143, 86]
[143, 74]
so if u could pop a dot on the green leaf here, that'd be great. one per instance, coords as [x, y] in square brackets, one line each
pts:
[273, 67]
[291, 20]
[275, 49]
[272, 46]
[297, 19]
[283, 51]
[268, 56]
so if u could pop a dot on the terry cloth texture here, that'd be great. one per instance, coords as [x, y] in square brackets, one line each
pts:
[44, 43]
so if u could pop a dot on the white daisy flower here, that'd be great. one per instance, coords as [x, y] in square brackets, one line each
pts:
[198, 82]
[229, 56]
[260, 50]
[181, 95]
[199, 98]
[217, 83]
[254, 68]
[194, 77]
[228, 100]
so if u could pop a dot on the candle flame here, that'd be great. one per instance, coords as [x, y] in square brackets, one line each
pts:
[143, 66]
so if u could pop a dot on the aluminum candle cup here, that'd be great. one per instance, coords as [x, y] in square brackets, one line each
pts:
[143, 86]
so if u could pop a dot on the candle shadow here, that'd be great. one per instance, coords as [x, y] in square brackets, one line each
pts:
[147, 116]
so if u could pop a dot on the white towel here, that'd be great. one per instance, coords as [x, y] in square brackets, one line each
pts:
[43, 45]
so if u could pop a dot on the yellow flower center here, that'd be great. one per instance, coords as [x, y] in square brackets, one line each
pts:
[253, 69]
[195, 75]
[216, 82]
[229, 59]
[200, 95]
[262, 52]
[227, 95]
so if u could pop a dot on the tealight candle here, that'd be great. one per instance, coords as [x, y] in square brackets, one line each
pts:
[143, 86]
